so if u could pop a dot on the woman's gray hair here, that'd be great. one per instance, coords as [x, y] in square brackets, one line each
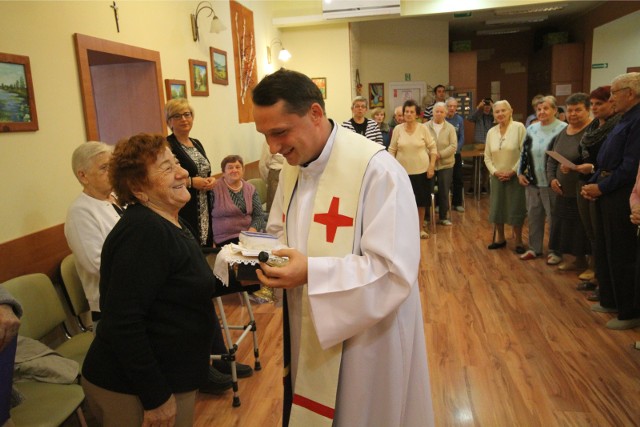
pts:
[450, 100]
[550, 99]
[630, 80]
[506, 104]
[175, 106]
[83, 155]
[440, 104]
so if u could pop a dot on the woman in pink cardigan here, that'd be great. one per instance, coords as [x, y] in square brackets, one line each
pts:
[236, 204]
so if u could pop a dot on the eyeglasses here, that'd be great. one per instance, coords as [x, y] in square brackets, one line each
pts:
[179, 116]
[613, 92]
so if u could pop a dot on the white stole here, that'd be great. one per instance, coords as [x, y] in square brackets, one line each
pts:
[331, 233]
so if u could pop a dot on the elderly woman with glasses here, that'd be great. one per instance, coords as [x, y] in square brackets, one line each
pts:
[191, 155]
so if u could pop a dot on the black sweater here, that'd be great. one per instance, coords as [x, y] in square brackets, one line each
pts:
[155, 334]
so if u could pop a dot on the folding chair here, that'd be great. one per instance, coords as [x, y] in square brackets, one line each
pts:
[249, 327]
[73, 291]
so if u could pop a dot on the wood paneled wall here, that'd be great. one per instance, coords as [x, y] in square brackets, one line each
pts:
[39, 252]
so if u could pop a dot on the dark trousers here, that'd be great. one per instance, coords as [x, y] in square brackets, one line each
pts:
[616, 253]
[458, 185]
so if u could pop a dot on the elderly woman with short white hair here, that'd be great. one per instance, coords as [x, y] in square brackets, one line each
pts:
[502, 156]
[446, 139]
[91, 216]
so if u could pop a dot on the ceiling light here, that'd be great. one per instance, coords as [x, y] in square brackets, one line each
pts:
[517, 20]
[542, 9]
[501, 31]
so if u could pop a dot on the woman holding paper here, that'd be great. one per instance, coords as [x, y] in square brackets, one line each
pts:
[501, 155]
[532, 175]
[567, 235]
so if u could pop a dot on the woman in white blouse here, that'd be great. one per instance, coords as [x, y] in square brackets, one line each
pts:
[502, 155]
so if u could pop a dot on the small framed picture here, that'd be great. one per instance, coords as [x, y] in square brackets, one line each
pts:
[321, 82]
[199, 78]
[17, 100]
[376, 95]
[175, 88]
[219, 74]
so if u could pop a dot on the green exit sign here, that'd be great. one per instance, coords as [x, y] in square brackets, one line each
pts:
[600, 65]
[462, 14]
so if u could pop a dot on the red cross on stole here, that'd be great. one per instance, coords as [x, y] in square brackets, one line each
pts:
[332, 219]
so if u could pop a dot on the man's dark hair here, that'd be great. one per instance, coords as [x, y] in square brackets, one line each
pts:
[435, 89]
[411, 103]
[294, 88]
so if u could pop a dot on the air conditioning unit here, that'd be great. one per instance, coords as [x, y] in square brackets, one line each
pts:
[338, 9]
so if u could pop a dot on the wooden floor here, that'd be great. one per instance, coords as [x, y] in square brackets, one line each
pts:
[509, 342]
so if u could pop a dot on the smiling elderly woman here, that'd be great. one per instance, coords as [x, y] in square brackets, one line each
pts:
[151, 350]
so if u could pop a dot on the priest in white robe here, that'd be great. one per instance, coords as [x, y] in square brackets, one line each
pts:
[354, 323]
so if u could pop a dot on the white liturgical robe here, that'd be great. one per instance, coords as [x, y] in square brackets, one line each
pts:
[369, 300]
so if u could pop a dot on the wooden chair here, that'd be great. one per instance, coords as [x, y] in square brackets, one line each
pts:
[73, 290]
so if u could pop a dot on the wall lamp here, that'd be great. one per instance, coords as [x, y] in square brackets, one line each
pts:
[216, 24]
[283, 55]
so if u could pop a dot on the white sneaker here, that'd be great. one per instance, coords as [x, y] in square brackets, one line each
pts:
[445, 222]
[459, 208]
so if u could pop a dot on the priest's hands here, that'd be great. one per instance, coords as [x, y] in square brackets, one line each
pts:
[291, 275]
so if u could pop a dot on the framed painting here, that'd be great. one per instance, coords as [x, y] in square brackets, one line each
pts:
[17, 100]
[321, 82]
[376, 95]
[219, 73]
[199, 78]
[175, 88]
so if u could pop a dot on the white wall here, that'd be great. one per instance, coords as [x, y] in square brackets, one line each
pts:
[618, 44]
[416, 46]
[36, 181]
[323, 51]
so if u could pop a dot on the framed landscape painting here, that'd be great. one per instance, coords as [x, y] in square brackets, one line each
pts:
[219, 73]
[199, 78]
[17, 100]
[175, 88]
[321, 82]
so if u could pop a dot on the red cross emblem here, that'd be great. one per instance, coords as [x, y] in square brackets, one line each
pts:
[333, 219]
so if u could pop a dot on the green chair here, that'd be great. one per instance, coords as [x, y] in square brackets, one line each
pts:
[45, 404]
[43, 313]
[261, 188]
[73, 290]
